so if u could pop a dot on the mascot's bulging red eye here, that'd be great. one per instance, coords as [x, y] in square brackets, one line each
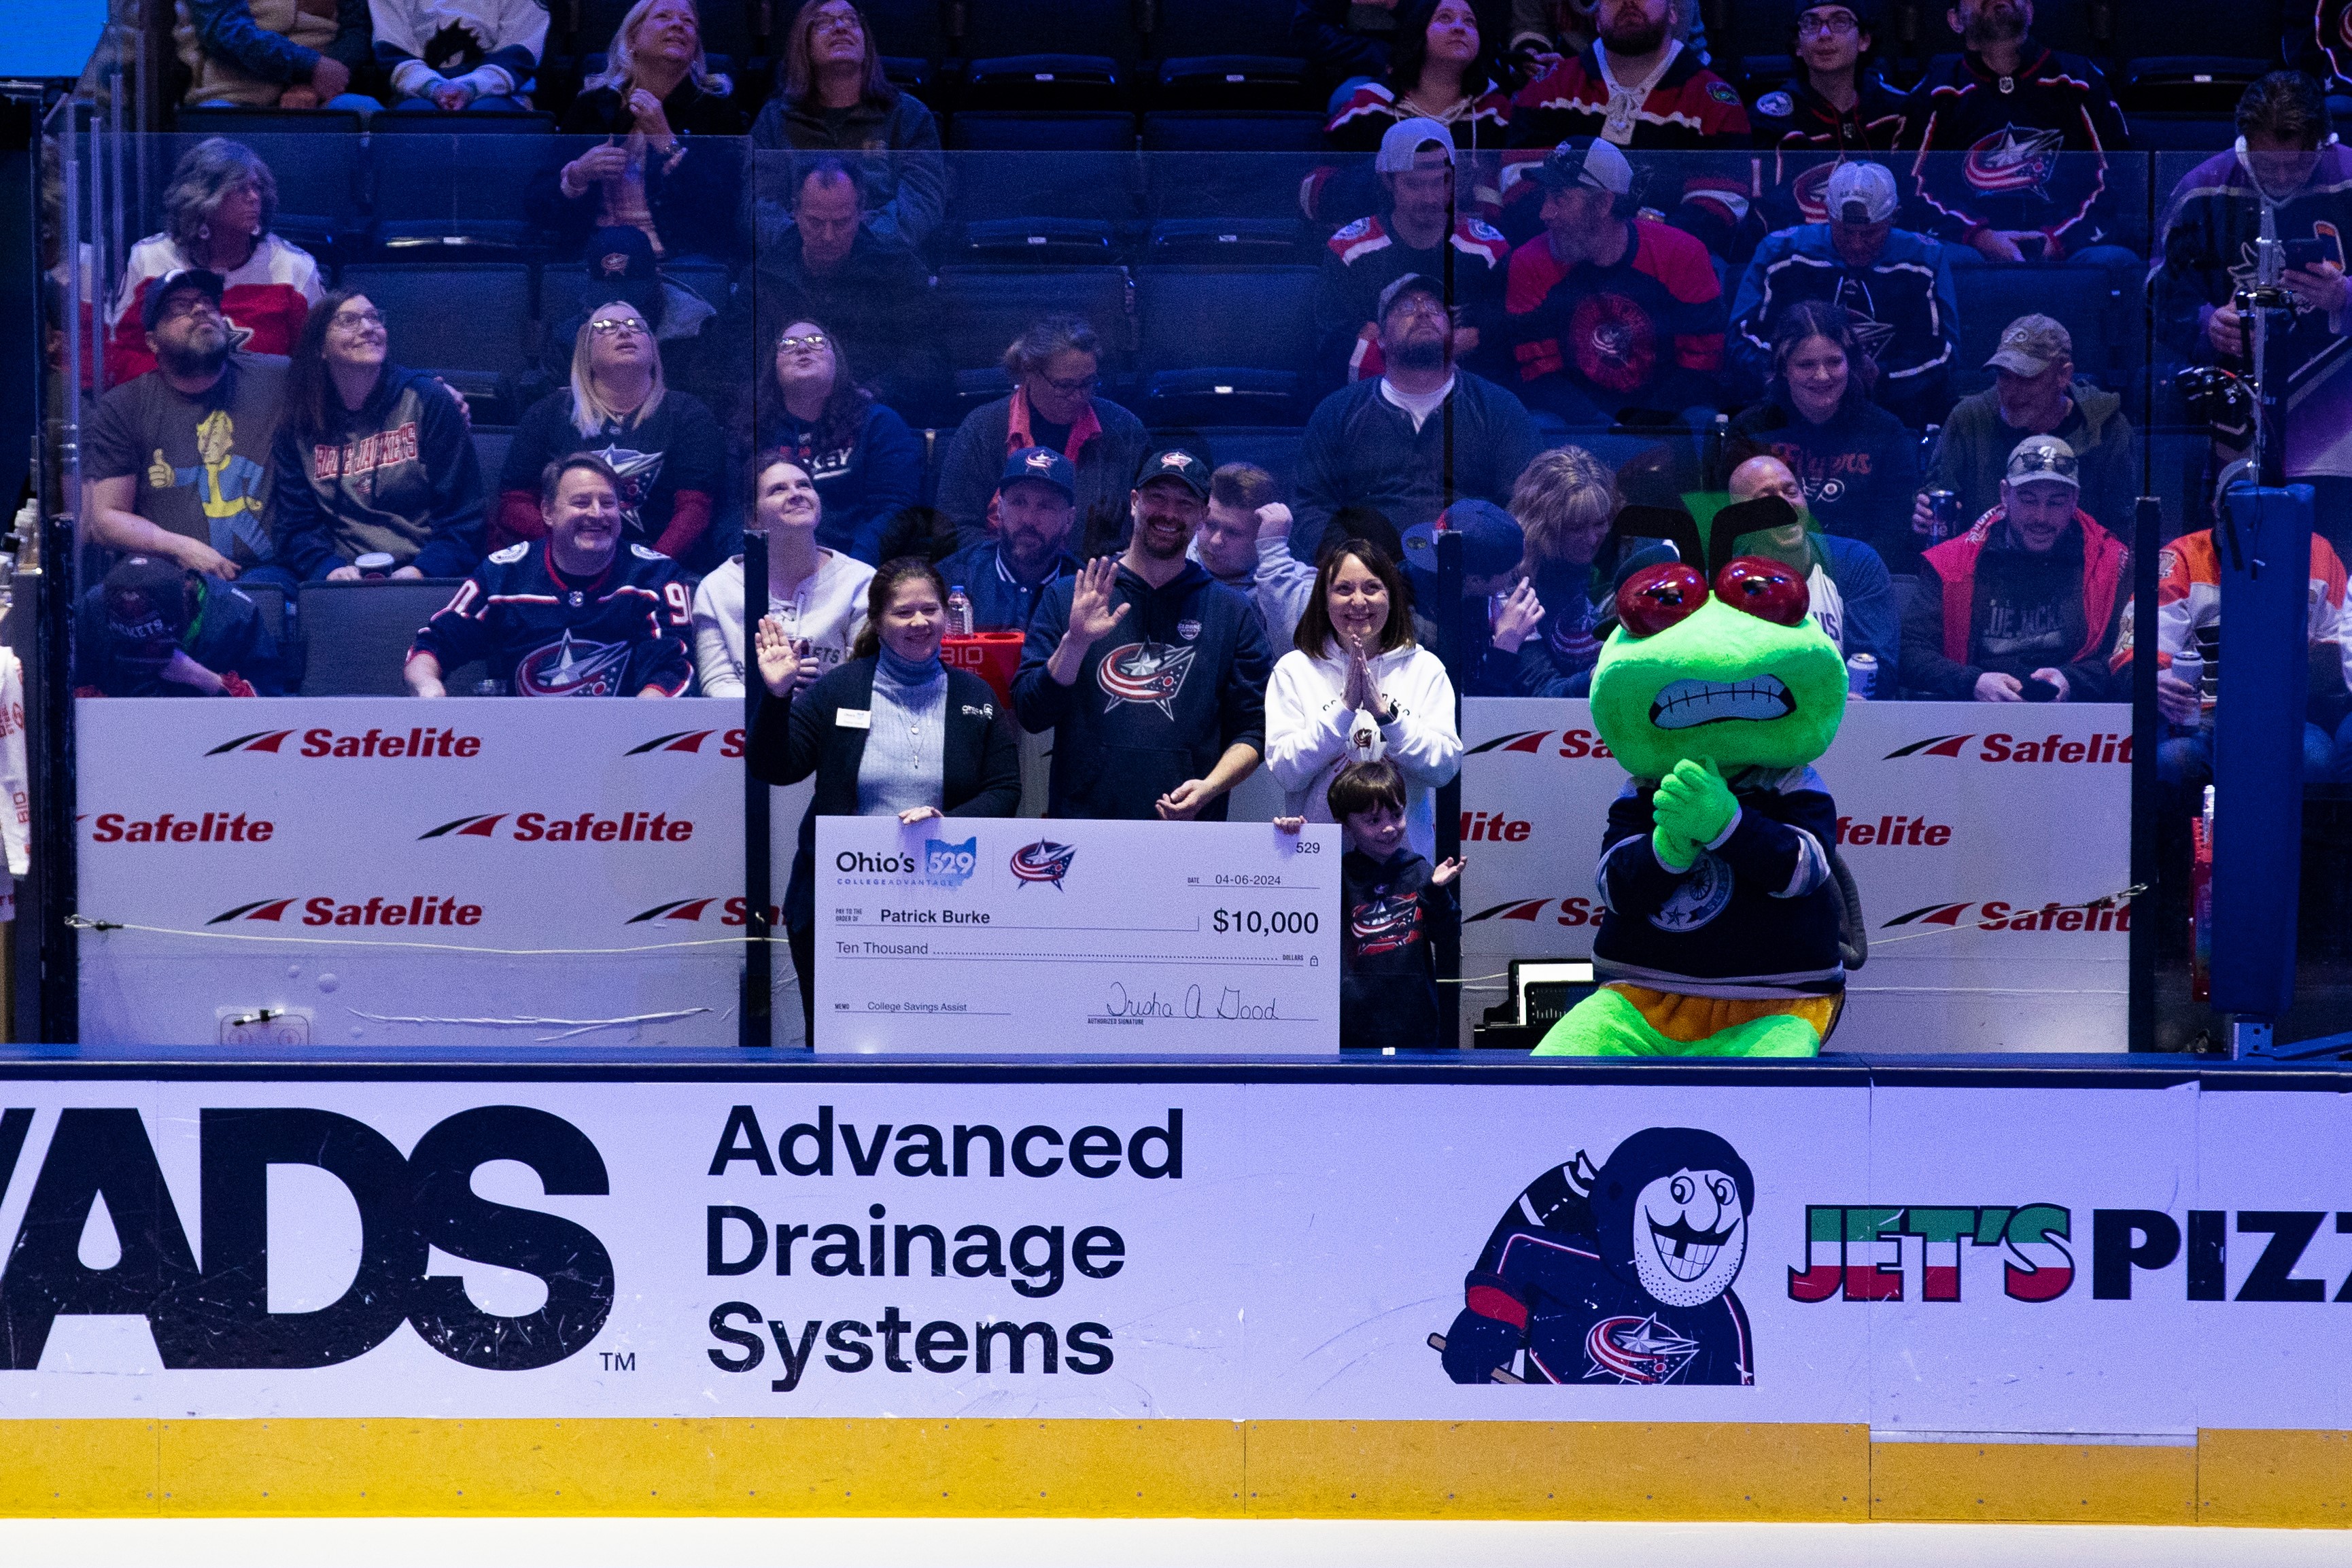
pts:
[1658, 597]
[1764, 588]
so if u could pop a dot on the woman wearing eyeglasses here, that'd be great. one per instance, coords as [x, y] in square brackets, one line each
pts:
[866, 464]
[372, 460]
[1057, 370]
[665, 444]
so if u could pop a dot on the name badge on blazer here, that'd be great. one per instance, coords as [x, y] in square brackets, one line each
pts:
[854, 718]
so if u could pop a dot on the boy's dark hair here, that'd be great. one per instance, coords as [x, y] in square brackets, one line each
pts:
[1360, 786]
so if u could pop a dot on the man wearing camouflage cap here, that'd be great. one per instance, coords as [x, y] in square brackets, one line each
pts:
[2025, 606]
[2035, 394]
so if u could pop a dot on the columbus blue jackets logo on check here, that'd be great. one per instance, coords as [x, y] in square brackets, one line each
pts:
[1145, 672]
[1385, 925]
[1616, 1275]
[565, 668]
[1043, 860]
[2011, 159]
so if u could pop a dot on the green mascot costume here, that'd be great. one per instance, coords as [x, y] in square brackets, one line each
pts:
[1724, 903]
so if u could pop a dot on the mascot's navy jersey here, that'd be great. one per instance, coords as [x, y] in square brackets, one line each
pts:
[1617, 1276]
[549, 636]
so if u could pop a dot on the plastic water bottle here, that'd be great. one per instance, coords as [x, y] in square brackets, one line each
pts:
[960, 621]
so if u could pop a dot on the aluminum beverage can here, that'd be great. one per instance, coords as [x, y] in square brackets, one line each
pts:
[1944, 508]
[1861, 674]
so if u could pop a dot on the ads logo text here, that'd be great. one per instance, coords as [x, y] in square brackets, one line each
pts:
[215, 1315]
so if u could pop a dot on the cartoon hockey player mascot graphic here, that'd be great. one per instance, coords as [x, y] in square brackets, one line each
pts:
[1723, 905]
[1616, 1276]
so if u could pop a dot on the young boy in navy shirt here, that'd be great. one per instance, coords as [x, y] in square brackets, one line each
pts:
[1392, 900]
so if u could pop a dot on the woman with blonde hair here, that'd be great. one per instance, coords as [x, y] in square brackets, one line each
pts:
[1565, 501]
[665, 444]
[655, 100]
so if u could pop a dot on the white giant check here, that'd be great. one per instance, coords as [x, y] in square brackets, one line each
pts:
[1004, 935]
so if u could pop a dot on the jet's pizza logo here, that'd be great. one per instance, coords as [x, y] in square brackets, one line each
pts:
[215, 1315]
[1620, 1274]
[1916, 1254]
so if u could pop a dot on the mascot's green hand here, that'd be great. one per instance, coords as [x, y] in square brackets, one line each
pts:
[1695, 802]
[1674, 851]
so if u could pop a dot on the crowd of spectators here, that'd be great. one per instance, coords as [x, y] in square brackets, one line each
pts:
[1554, 235]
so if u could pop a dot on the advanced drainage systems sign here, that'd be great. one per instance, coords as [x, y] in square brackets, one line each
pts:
[1989, 843]
[1923, 1261]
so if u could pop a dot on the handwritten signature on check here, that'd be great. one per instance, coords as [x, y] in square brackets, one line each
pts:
[1195, 1004]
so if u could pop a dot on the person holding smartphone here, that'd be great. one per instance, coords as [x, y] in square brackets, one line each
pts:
[2027, 605]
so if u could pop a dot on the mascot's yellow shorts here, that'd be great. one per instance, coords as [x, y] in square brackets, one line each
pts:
[1620, 1020]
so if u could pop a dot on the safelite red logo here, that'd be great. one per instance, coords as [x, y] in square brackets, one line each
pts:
[1574, 744]
[735, 910]
[539, 827]
[420, 741]
[2002, 747]
[2099, 915]
[1572, 911]
[418, 909]
[730, 742]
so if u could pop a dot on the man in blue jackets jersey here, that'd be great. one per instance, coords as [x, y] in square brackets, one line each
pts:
[1150, 673]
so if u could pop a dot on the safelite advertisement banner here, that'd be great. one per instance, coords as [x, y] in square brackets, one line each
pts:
[1990, 842]
[1937, 1262]
[366, 870]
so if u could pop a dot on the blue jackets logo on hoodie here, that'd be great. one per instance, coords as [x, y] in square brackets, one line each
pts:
[1145, 672]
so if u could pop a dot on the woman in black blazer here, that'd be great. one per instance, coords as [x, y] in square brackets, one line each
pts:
[892, 730]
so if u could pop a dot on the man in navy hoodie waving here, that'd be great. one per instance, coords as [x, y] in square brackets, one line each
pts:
[1150, 673]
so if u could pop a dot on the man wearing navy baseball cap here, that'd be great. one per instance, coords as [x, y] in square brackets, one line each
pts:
[1036, 509]
[1608, 312]
[1150, 673]
[1494, 548]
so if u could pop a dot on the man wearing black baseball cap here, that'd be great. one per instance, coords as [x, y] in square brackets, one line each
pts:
[154, 629]
[1150, 673]
[1608, 312]
[175, 463]
[1036, 510]
[1385, 444]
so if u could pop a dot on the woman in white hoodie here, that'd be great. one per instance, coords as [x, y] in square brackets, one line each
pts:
[1359, 689]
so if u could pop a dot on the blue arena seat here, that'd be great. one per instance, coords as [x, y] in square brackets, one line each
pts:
[2182, 84]
[1005, 164]
[469, 321]
[1274, 448]
[1228, 165]
[1234, 82]
[1224, 345]
[1015, 130]
[491, 444]
[1222, 28]
[1067, 82]
[355, 635]
[983, 308]
[443, 195]
[1105, 28]
[1227, 131]
[2091, 304]
[2182, 133]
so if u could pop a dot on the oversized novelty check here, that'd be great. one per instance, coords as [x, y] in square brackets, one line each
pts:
[1025, 935]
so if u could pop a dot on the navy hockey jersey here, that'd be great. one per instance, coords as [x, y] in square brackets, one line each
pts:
[2026, 153]
[549, 635]
[1804, 136]
[1387, 985]
[1754, 916]
[1181, 677]
[1365, 256]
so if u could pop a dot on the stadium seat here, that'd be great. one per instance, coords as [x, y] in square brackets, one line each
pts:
[317, 160]
[491, 444]
[1227, 82]
[1183, 27]
[355, 635]
[441, 195]
[471, 322]
[2199, 133]
[2083, 299]
[1039, 241]
[1225, 165]
[1069, 83]
[1103, 28]
[1224, 345]
[1072, 166]
[2186, 84]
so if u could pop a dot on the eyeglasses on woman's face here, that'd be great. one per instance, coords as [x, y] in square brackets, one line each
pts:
[617, 326]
